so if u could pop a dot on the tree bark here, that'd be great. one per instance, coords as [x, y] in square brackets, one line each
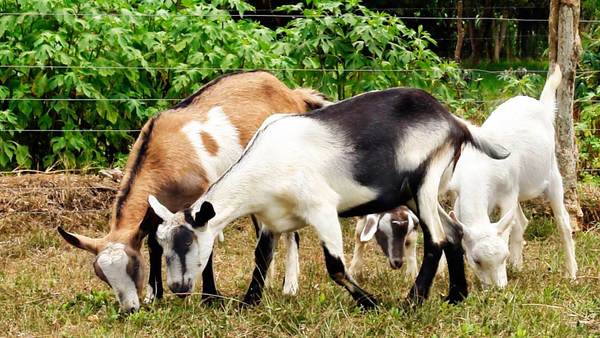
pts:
[564, 49]
[460, 31]
[500, 36]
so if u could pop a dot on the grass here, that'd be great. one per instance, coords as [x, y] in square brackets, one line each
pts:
[48, 288]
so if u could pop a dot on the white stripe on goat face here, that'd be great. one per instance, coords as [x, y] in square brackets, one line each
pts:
[111, 266]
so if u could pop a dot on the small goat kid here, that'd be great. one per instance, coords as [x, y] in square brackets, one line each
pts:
[348, 159]
[525, 126]
[178, 154]
[396, 234]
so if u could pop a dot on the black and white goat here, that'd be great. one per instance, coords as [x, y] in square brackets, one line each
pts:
[352, 158]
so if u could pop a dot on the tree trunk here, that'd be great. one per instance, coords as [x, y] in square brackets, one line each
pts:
[500, 36]
[460, 31]
[565, 47]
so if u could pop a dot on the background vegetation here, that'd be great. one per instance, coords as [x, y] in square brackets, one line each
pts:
[109, 65]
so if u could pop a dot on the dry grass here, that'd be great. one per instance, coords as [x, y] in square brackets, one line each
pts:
[48, 288]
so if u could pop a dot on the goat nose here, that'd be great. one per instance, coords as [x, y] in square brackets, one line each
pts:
[179, 289]
[396, 263]
[130, 310]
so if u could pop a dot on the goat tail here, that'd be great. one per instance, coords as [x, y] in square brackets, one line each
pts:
[475, 136]
[312, 98]
[548, 97]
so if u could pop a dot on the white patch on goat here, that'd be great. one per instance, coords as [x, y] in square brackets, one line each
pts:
[220, 128]
[417, 143]
[428, 193]
[113, 263]
[385, 226]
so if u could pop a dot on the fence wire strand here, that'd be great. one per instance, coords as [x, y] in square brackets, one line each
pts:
[278, 15]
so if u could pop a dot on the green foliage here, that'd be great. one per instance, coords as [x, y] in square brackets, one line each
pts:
[520, 82]
[175, 47]
[341, 48]
[588, 104]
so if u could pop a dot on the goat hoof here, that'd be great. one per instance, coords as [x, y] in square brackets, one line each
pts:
[455, 297]
[367, 303]
[251, 300]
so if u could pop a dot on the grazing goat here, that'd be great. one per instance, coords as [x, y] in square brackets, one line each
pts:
[178, 154]
[395, 232]
[525, 126]
[367, 154]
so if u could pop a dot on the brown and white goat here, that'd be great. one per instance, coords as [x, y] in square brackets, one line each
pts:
[216, 123]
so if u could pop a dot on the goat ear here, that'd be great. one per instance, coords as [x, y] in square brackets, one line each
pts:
[79, 241]
[159, 210]
[369, 230]
[205, 213]
[505, 222]
[454, 229]
[413, 219]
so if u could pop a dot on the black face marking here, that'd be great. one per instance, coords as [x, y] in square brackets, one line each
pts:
[136, 167]
[182, 240]
[133, 270]
[190, 99]
[100, 273]
[297, 239]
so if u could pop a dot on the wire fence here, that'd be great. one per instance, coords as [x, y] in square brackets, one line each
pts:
[278, 15]
[255, 14]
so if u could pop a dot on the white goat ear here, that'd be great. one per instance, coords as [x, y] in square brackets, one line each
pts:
[505, 222]
[159, 209]
[413, 220]
[455, 230]
[369, 230]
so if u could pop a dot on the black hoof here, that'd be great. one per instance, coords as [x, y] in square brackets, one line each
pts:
[413, 300]
[456, 297]
[251, 300]
[368, 303]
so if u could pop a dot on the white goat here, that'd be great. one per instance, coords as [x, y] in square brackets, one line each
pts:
[525, 126]
[348, 159]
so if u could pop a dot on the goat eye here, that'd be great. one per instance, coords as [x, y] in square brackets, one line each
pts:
[477, 262]
[407, 243]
